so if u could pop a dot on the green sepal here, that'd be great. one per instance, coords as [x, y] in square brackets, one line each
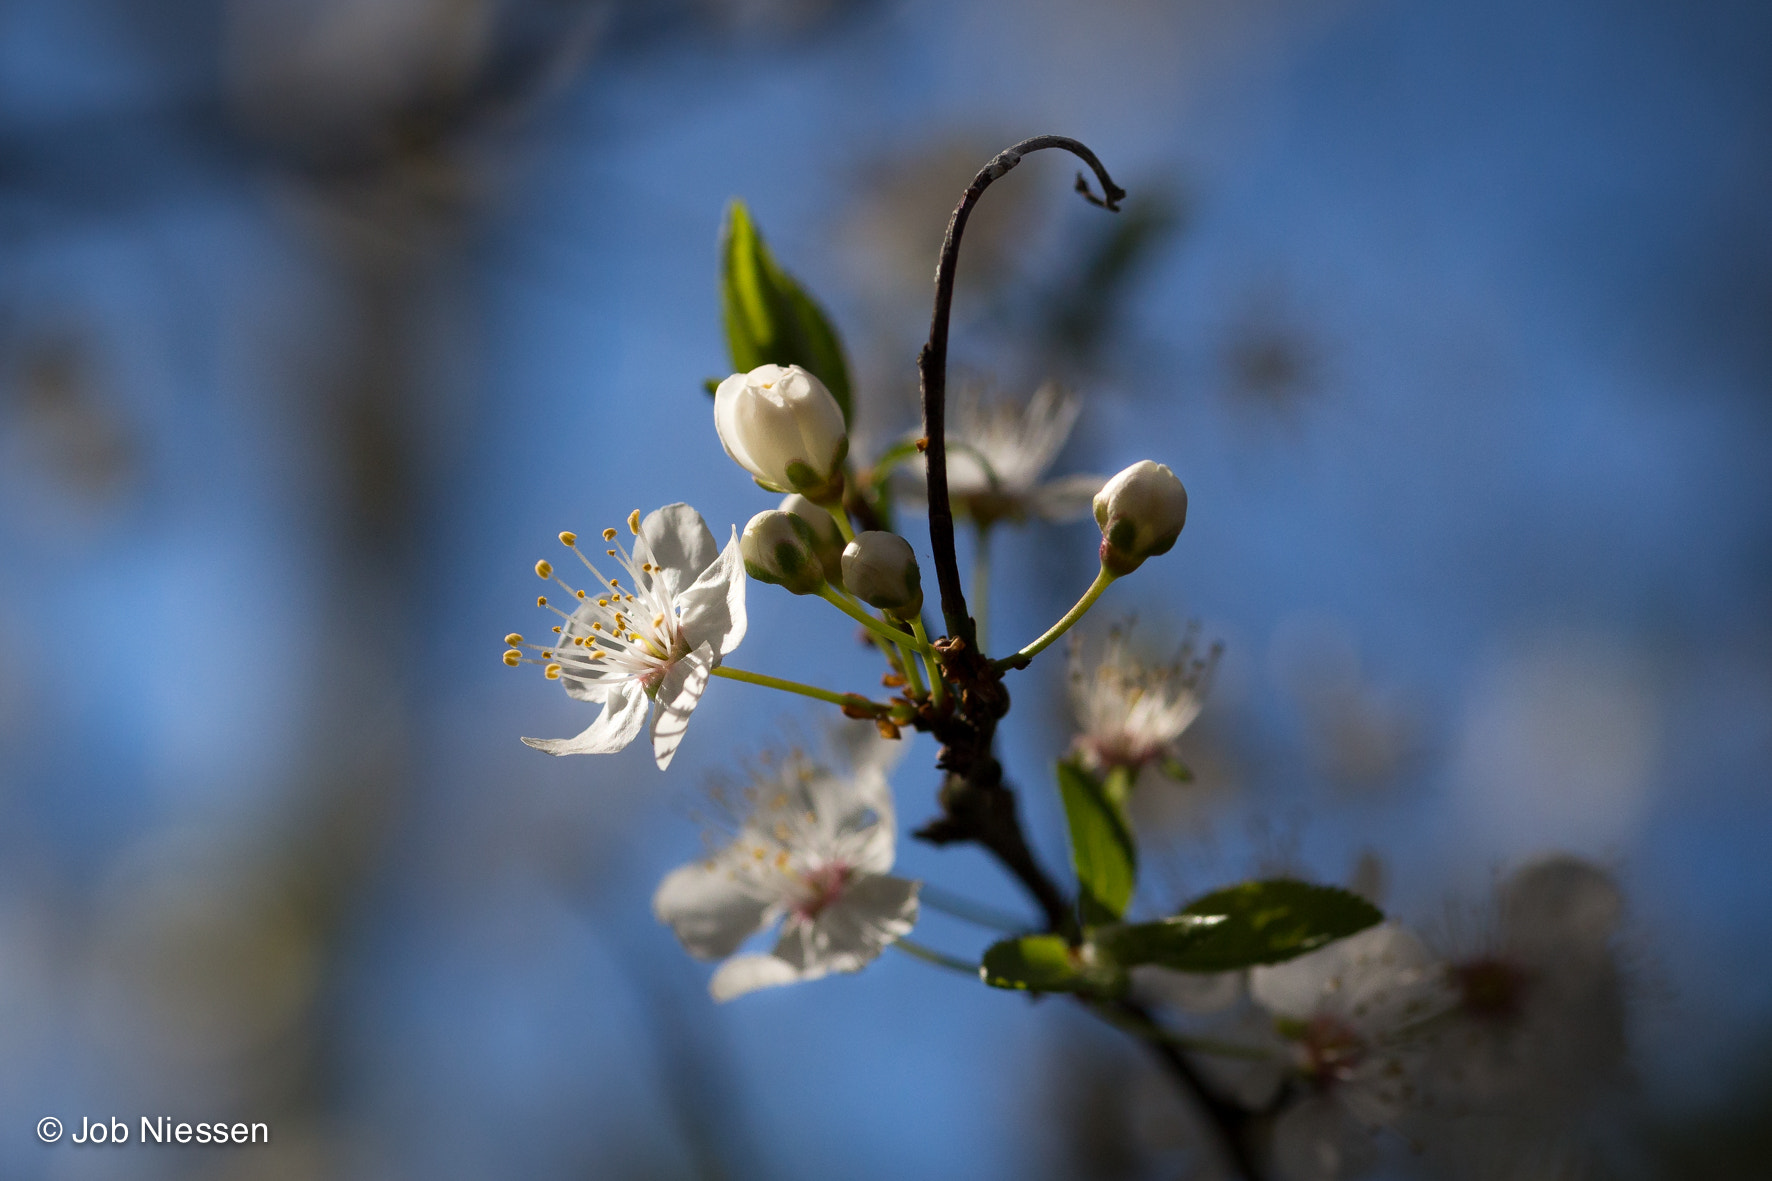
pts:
[1263, 922]
[769, 318]
[1177, 770]
[1102, 849]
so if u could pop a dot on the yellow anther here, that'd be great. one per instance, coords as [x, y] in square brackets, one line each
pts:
[568, 539]
[781, 859]
[547, 653]
[544, 569]
[599, 654]
[541, 600]
[556, 631]
[758, 853]
[615, 582]
[610, 552]
[634, 522]
[596, 627]
[579, 640]
[513, 639]
[658, 621]
[513, 658]
[551, 672]
[608, 535]
[602, 602]
[580, 594]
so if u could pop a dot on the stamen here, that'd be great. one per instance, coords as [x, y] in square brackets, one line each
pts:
[569, 539]
[513, 639]
[551, 672]
[513, 658]
[634, 522]
[608, 535]
[541, 600]
[544, 569]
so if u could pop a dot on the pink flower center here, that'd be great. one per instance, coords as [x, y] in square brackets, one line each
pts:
[1331, 1049]
[824, 886]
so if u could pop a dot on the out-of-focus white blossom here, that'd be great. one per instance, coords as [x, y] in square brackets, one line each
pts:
[814, 854]
[1131, 713]
[998, 453]
[1141, 512]
[781, 425]
[649, 646]
[1537, 1040]
[881, 570]
[1353, 1016]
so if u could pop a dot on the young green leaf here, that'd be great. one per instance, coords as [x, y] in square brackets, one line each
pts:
[1032, 963]
[769, 317]
[1102, 849]
[1242, 926]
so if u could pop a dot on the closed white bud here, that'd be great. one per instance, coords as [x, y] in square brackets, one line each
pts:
[778, 547]
[782, 426]
[827, 538]
[880, 570]
[1141, 512]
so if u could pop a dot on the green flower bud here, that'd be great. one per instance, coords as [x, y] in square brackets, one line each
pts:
[779, 548]
[828, 539]
[1140, 512]
[880, 569]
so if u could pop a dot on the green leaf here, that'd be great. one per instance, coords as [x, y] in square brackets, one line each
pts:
[1032, 963]
[1102, 850]
[1242, 926]
[769, 317]
[1046, 963]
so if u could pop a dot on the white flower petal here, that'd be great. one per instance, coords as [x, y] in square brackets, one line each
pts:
[677, 697]
[676, 538]
[713, 610]
[1374, 980]
[712, 909]
[873, 911]
[1068, 498]
[748, 973]
[871, 797]
[623, 716]
[1316, 1140]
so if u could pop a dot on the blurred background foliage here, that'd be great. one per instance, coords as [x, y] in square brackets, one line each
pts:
[318, 318]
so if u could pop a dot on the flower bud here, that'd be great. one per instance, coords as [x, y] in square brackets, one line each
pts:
[782, 426]
[827, 538]
[880, 570]
[1141, 512]
[778, 547]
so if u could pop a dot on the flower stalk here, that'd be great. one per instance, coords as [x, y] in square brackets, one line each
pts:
[1103, 579]
[847, 700]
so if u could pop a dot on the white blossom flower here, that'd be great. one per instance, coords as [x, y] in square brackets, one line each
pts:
[649, 646]
[1131, 713]
[783, 426]
[813, 854]
[1353, 1015]
[998, 453]
[1537, 1040]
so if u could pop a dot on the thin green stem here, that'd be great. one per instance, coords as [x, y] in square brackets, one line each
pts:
[842, 519]
[884, 630]
[786, 686]
[913, 678]
[1021, 658]
[936, 685]
[940, 959]
[981, 586]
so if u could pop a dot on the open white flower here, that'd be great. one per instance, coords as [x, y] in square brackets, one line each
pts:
[1353, 1015]
[1131, 713]
[649, 646]
[814, 854]
[1537, 1043]
[999, 451]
